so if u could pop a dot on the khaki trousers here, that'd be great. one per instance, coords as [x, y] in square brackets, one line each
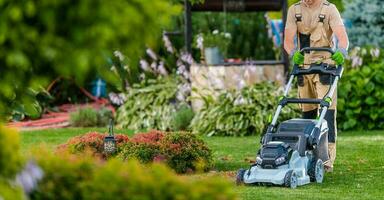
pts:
[317, 86]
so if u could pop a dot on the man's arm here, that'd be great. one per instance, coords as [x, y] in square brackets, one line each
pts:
[289, 40]
[290, 31]
[338, 28]
[342, 37]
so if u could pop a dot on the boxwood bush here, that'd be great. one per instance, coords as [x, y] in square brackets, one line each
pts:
[241, 113]
[8, 192]
[11, 160]
[74, 177]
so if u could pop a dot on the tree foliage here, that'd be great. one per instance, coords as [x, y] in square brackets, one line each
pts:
[41, 39]
[367, 22]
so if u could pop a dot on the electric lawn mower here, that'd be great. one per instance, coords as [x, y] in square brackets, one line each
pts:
[293, 153]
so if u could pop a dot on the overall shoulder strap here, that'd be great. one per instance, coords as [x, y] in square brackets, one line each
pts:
[324, 11]
[298, 13]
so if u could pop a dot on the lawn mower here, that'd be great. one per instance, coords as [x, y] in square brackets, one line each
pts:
[293, 152]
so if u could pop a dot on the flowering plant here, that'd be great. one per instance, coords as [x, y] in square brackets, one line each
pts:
[214, 39]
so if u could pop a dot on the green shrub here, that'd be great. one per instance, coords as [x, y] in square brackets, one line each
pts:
[8, 192]
[64, 176]
[360, 100]
[73, 177]
[130, 180]
[92, 142]
[84, 117]
[11, 159]
[182, 118]
[183, 152]
[241, 113]
[90, 117]
[148, 105]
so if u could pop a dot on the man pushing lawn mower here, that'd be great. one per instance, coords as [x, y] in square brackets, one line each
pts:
[297, 151]
[314, 22]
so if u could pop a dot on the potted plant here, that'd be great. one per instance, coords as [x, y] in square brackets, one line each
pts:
[214, 45]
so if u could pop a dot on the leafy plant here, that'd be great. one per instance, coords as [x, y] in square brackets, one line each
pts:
[149, 105]
[183, 152]
[182, 118]
[90, 117]
[11, 160]
[360, 101]
[241, 113]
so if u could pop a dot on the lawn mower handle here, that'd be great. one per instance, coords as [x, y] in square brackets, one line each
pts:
[307, 49]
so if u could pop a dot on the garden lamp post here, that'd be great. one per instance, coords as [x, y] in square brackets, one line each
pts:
[109, 140]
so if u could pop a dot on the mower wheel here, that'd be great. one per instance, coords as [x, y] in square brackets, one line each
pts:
[240, 176]
[290, 179]
[316, 171]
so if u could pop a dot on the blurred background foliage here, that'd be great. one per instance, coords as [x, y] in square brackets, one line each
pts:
[249, 33]
[42, 39]
[368, 21]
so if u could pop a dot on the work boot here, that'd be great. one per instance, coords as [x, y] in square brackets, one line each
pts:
[328, 165]
[330, 117]
[312, 114]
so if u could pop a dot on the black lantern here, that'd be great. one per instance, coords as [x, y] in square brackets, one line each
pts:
[109, 140]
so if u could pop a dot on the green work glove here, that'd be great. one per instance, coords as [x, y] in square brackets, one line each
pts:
[339, 56]
[298, 58]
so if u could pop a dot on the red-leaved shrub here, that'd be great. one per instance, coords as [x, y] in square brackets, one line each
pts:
[92, 142]
[183, 152]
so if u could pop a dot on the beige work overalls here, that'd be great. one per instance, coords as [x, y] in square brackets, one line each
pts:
[317, 86]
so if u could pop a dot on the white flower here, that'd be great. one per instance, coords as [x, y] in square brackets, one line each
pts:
[151, 54]
[161, 69]
[215, 32]
[142, 76]
[364, 51]
[168, 44]
[375, 52]
[113, 68]
[186, 57]
[29, 177]
[240, 101]
[227, 35]
[241, 84]
[119, 55]
[117, 99]
[200, 41]
[144, 65]
[357, 61]
[154, 66]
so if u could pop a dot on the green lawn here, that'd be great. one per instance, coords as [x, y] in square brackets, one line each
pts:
[358, 174]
